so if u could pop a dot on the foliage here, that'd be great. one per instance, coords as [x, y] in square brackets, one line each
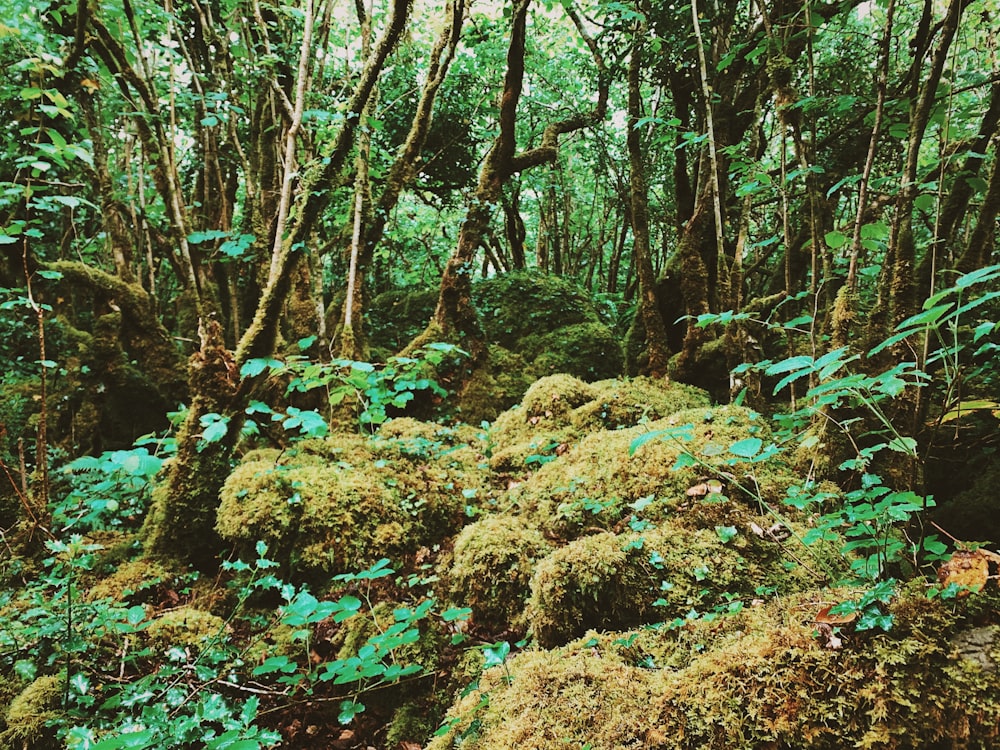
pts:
[131, 679]
[377, 391]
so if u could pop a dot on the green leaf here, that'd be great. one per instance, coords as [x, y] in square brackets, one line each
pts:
[496, 654]
[348, 710]
[747, 448]
[216, 430]
[835, 240]
[456, 613]
[726, 533]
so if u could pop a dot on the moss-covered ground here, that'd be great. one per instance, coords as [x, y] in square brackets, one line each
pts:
[608, 564]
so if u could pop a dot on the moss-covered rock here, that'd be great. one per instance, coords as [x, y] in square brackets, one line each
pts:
[184, 627]
[340, 504]
[594, 483]
[761, 679]
[491, 569]
[29, 714]
[558, 410]
[396, 317]
[590, 351]
[518, 305]
[610, 581]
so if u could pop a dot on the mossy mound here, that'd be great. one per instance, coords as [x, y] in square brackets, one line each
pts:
[394, 318]
[610, 581]
[661, 462]
[559, 409]
[590, 351]
[520, 305]
[184, 627]
[551, 323]
[29, 714]
[761, 679]
[492, 567]
[340, 504]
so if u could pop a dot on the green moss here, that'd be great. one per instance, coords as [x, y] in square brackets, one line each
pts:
[594, 482]
[590, 351]
[518, 305]
[629, 402]
[761, 679]
[492, 567]
[134, 581]
[396, 317]
[612, 581]
[494, 387]
[184, 627]
[30, 713]
[559, 410]
[343, 503]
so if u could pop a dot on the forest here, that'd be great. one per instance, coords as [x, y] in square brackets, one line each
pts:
[591, 374]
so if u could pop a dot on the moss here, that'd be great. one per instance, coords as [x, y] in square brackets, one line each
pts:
[184, 627]
[629, 402]
[135, 581]
[30, 713]
[590, 351]
[341, 504]
[594, 482]
[491, 571]
[761, 679]
[617, 581]
[497, 386]
[559, 410]
[706, 366]
[396, 317]
[518, 305]
[556, 700]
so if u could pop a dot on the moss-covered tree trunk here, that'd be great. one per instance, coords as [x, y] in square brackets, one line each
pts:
[454, 317]
[657, 350]
[181, 522]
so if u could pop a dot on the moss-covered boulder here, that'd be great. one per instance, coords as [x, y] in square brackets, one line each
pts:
[340, 504]
[610, 581]
[558, 410]
[491, 570]
[760, 679]
[694, 453]
[29, 714]
[186, 628]
[523, 304]
[590, 351]
[394, 318]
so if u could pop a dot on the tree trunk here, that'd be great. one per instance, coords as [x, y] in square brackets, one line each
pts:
[657, 350]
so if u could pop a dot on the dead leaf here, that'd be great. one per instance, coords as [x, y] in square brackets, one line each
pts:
[562, 448]
[968, 569]
[824, 617]
[697, 490]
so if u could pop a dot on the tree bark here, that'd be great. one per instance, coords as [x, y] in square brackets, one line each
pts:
[657, 350]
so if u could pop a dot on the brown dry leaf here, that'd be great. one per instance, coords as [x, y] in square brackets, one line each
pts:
[409, 746]
[534, 420]
[562, 448]
[697, 490]
[823, 617]
[968, 569]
